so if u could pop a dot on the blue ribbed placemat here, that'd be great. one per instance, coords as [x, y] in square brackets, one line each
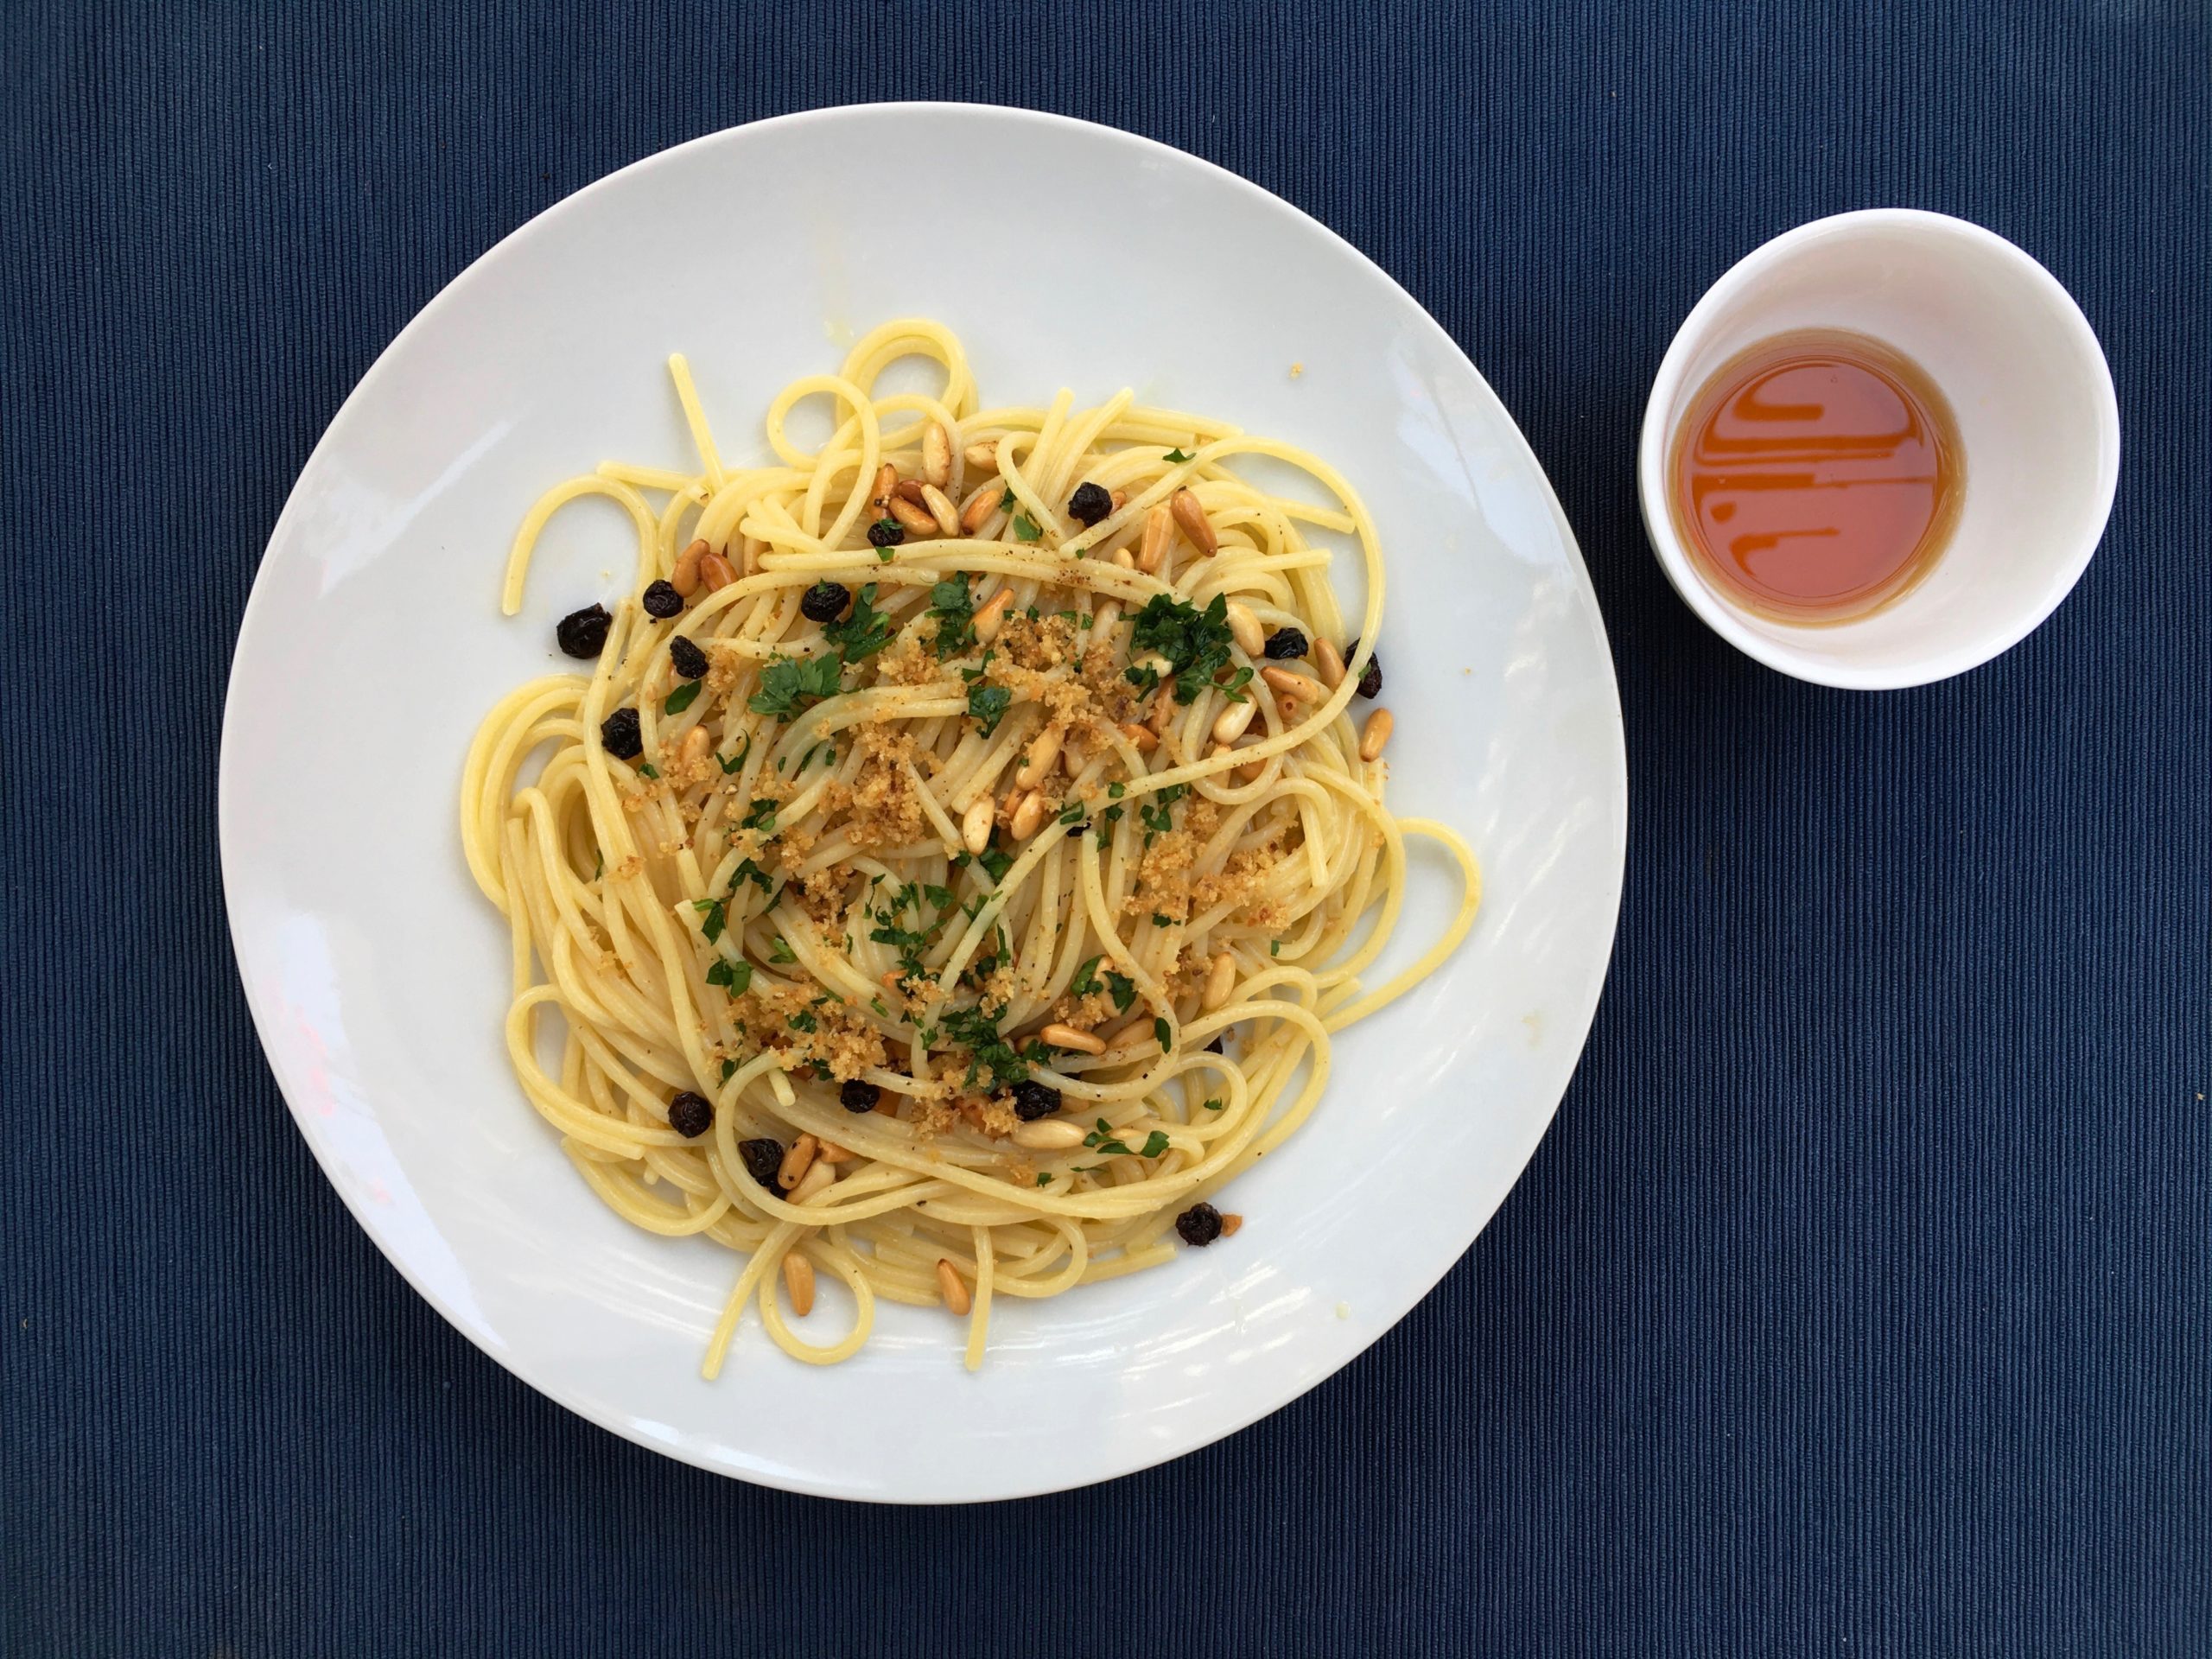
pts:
[1857, 1302]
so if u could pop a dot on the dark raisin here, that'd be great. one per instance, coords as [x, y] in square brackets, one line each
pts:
[762, 1159]
[690, 661]
[1284, 644]
[583, 633]
[1199, 1224]
[859, 1095]
[1370, 681]
[824, 602]
[1033, 1100]
[619, 731]
[663, 600]
[1217, 1046]
[886, 532]
[690, 1115]
[1090, 503]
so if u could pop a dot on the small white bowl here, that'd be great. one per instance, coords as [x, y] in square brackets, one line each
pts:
[2037, 417]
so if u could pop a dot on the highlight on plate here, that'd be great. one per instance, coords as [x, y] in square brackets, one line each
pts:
[951, 871]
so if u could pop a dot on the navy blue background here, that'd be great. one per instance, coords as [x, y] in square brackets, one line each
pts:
[1855, 1304]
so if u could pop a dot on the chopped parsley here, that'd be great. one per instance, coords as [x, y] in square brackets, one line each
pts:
[1213, 1105]
[1159, 816]
[1195, 642]
[1104, 1140]
[1075, 812]
[979, 1033]
[1026, 529]
[682, 697]
[730, 764]
[761, 816]
[1045, 1178]
[1124, 989]
[803, 1020]
[729, 1070]
[986, 705]
[1177, 456]
[1159, 920]
[995, 863]
[711, 909]
[1114, 792]
[954, 607]
[737, 977]
[748, 871]
[646, 769]
[863, 633]
[1086, 978]
[780, 950]
[791, 685]
[1161, 1031]
[876, 1002]
[1274, 947]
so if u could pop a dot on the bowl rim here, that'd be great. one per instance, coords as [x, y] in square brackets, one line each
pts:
[1732, 624]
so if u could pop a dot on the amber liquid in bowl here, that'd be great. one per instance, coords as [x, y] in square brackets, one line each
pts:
[1816, 477]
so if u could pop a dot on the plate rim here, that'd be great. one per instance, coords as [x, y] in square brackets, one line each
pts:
[1263, 1402]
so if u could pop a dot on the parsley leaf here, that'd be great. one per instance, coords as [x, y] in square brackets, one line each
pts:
[761, 814]
[1086, 978]
[995, 863]
[1045, 1178]
[1075, 812]
[1163, 1035]
[979, 1033]
[711, 909]
[730, 764]
[1177, 456]
[1195, 642]
[1274, 947]
[987, 704]
[1124, 989]
[863, 633]
[1213, 1105]
[791, 685]
[736, 976]
[646, 769]
[1154, 1144]
[954, 607]
[780, 950]
[748, 871]
[682, 698]
[1026, 529]
[729, 1070]
[803, 1020]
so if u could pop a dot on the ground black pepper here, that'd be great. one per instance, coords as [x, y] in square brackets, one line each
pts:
[619, 731]
[663, 600]
[1200, 1224]
[583, 633]
[1033, 1100]
[1284, 644]
[1090, 503]
[762, 1159]
[691, 1115]
[690, 661]
[824, 602]
[859, 1095]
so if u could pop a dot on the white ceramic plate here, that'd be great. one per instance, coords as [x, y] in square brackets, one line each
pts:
[372, 643]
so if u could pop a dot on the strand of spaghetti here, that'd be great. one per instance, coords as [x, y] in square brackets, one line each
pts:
[551, 502]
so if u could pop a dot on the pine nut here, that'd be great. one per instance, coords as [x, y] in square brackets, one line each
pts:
[1044, 755]
[1068, 1037]
[984, 455]
[886, 480]
[1230, 723]
[715, 572]
[1244, 628]
[941, 509]
[980, 507]
[1221, 980]
[1143, 739]
[888, 1104]
[918, 520]
[796, 1162]
[975, 825]
[936, 456]
[1120, 499]
[1159, 533]
[1028, 817]
[1329, 660]
[1163, 708]
[798, 1279]
[1230, 1225]
[1048, 1135]
[907, 489]
[696, 743]
[685, 580]
[1193, 518]
[950, 1285]
[1377, 734]
[1071, 758]
[1124, 560]
[1295, 686]
[991, 615]
[1139, 1026]
[831, 1152]
[1102, 621]
[811, 1185]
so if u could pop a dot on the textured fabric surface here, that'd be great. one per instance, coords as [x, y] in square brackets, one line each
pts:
[1857, 1301]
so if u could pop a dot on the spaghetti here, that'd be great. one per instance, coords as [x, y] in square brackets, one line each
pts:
[954, 869]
